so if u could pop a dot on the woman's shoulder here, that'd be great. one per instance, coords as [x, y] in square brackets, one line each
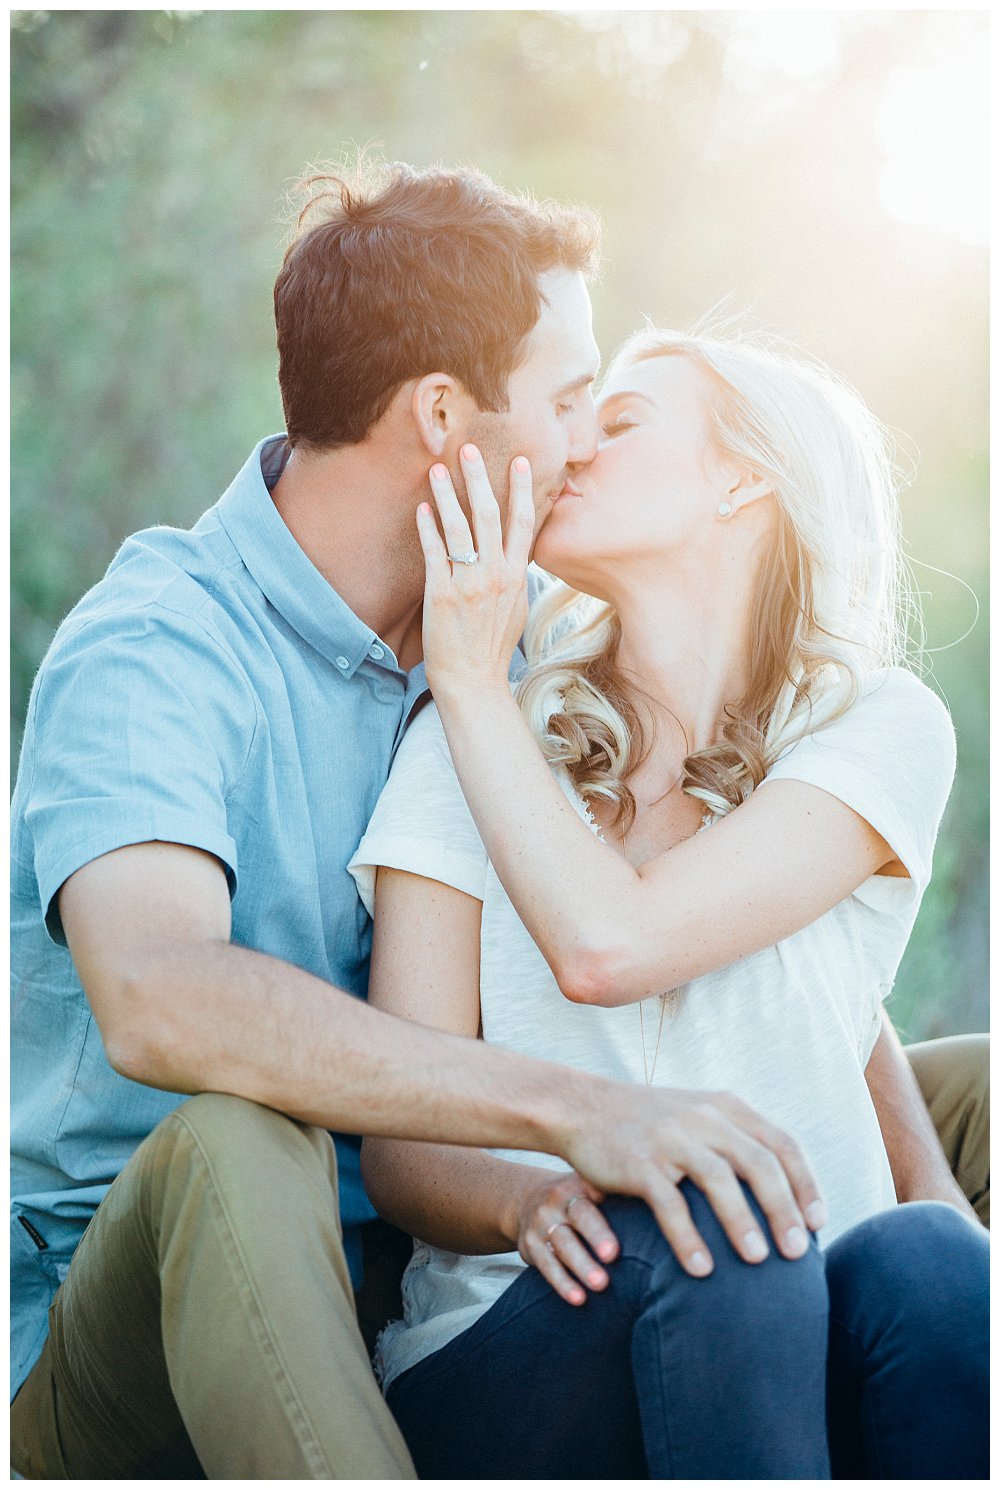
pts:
[902, 688]
[895, 704]
[890, 702]
[897, 732]
[424, 735]
[425, 725]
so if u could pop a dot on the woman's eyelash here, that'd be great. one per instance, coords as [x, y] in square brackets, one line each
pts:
[616, 426]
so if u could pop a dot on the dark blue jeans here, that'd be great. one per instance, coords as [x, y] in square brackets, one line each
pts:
[871, 1356]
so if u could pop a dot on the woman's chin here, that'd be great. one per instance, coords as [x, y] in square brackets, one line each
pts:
[549, 558]
[552, 552]
[560, 565]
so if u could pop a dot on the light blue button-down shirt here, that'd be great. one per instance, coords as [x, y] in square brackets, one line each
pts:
[211, 690]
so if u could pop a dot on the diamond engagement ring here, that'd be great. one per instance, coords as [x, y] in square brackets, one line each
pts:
[469, 558]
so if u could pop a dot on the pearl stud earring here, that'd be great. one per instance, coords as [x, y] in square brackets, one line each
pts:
[725, 508]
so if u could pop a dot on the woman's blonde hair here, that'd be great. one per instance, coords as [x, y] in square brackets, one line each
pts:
[833, 599]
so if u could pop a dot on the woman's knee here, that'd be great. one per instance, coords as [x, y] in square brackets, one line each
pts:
[923, 1261]
[783, 1287]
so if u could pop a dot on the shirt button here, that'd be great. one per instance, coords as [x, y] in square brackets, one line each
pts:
[376, 651]
[343, 664]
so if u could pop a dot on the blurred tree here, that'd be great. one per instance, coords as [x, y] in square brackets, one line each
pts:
[736, 159]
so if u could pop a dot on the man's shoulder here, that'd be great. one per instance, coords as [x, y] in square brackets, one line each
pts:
[181, 569]
[161, 579]
[165, 616]
[195, 572]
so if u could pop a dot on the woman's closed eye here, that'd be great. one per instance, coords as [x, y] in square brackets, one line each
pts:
[617, 426]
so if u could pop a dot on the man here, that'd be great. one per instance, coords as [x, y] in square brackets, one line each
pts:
[206, 739]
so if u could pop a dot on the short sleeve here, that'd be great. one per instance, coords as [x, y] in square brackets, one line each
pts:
[139, 728]
[421, 822]
[891, 758]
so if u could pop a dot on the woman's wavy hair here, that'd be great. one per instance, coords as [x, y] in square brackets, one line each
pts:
[833, 599]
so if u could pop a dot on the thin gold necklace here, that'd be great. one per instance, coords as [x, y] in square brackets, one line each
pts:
[647, 1073]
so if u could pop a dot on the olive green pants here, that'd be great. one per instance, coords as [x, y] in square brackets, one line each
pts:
[954, 1077]
[207, 1325]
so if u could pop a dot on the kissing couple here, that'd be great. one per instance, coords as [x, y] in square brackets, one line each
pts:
[574, 889]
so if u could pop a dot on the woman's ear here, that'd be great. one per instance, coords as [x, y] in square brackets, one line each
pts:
[437, 408]
[749, 487]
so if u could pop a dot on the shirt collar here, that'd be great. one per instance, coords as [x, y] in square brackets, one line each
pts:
[292, 583]
[283, 571]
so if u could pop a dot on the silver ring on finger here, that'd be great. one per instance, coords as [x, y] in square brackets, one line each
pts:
[554, 1227]
[467, 558]
[571, 1202]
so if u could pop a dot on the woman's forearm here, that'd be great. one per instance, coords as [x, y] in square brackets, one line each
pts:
[613, 934]
[462, 1200]
[469, 1202]
[532, 833]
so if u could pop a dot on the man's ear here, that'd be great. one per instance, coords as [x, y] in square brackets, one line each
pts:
[438, 409]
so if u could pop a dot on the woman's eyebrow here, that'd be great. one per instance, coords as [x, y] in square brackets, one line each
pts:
[619, 397]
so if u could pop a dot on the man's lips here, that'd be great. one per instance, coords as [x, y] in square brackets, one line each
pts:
[567, 490]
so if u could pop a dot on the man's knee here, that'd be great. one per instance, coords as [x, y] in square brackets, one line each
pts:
[235, 1138]
[218, 1120]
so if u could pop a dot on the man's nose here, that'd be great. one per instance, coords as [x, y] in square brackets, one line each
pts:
[583, 444]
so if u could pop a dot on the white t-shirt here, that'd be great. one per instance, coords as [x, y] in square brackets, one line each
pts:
[789, 1029]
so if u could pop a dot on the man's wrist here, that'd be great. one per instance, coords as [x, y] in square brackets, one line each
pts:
[574, 1107]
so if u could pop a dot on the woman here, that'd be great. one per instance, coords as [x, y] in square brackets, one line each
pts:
[705, 877]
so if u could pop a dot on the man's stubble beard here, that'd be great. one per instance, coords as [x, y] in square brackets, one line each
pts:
[488, 433]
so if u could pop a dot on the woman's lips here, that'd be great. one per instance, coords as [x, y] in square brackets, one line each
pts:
[568, 490]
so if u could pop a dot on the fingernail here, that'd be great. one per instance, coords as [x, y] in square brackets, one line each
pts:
[596, 1280]
[469, 452]
[754, 1246]
[700, 1263]
[816, 1214]
[796, 1240]
[577, 1296]
[439, 472]
[607, 1251]
[425, 508]
[521, 465]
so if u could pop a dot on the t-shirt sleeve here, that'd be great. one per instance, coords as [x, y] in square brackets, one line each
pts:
[421, 822]
[891, 758]
[139, 728]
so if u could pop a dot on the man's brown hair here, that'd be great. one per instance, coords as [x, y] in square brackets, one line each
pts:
[394, 273]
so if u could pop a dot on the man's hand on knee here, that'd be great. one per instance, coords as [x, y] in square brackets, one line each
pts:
[645, 1142]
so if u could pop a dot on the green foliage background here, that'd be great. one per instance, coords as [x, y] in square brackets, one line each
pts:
[150, 156]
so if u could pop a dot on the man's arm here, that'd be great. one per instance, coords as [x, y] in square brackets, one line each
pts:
[181, 1008]
[920, 1170]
